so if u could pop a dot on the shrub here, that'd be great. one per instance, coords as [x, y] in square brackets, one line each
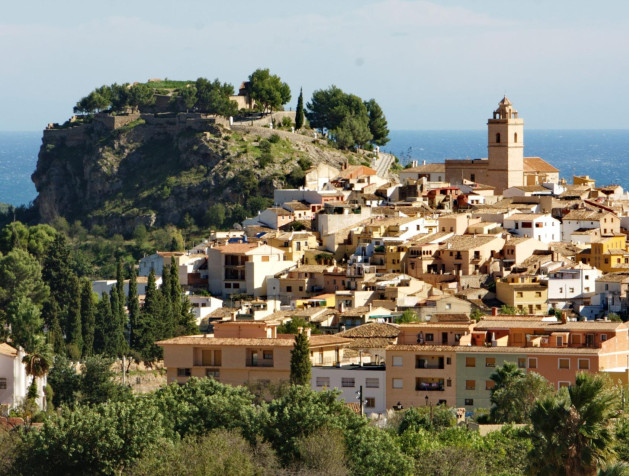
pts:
[275, 138]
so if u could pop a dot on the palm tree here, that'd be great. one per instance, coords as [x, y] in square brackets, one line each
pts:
[39, 361]
[571, 432]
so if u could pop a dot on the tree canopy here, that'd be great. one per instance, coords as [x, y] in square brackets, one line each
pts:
[349, 120]
[267, 90]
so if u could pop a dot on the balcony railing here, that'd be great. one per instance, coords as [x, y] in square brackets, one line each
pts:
[259, 363]
[429, 387]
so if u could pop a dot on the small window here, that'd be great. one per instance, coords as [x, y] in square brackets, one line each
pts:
[515, 137]
[490, 362]
[584, 364]
[603, 337]
[564, 364]
[323, 381]
[563, 384]
[489, 384]
[470, 361]
[498, 138]
[370, 402]
[470, 385]
[448, 361]
[289, 289]
[521, 362]
[430, 337]
[372, 383]
[3, 383]
[215, 374]
[469, 402]
[267, 355]
[265, 259]
[532, 363]
[183, 373]
[348, 382]
[398, 383]
[397, 361]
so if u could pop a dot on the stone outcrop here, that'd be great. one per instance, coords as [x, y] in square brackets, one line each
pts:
[153, 169]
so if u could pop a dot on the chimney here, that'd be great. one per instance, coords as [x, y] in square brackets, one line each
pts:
[423, 162]
[494, 311]
[233, 315]
[370, 307]
[300, 330]
[564, 317]
[308, 332]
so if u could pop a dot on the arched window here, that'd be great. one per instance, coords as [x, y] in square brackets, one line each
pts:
[498, 138]
[515, 137]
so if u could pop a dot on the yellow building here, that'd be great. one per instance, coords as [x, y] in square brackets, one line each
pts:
[523, 292]
[241, 352]
[609, 254]
[294, 244]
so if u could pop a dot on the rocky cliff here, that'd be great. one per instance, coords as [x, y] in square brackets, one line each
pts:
[123, 171]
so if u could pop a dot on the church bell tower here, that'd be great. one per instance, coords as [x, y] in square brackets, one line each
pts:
[505, 146]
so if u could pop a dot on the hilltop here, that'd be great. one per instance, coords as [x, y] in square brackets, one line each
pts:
[155, 168]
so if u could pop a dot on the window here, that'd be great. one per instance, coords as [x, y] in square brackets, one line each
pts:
[448, 360]
[490, 362]
[519, 294]
[521, 363]
[470, 385]
[532, 363]
[564, 363]
[448, 306]
[397, 361]
[563, 384]
[372, 383]
[489, 384]
[559, 341]
[498, 138]
[539, 294]
[215, 374]
[3, 383]
[584, 364]
[348, 382]
[323, 381]
[515, 137]
[571, 290]
[267, 355]
[603, 337]
[370, 402]
[265, 259]
[430, 337]
[469, 402]
[183, 373]
[289, 289]
[397, 383]
[470, 361]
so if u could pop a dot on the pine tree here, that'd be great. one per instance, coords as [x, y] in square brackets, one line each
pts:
[87, 318]
[134, 309]
[74, 332]
[300, 364]
[299, 115]
[103, 316]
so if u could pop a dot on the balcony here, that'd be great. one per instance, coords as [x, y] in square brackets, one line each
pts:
[426, 362]
[259, 363]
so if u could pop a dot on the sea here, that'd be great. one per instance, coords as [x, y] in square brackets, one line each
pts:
[601, 154]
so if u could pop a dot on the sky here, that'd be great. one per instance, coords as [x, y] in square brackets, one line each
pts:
[440, 65]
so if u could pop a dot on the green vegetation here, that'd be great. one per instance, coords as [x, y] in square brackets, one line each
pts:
[267, 90]
[300, 361]
[299, 112]
[407, 317]
[350, 121]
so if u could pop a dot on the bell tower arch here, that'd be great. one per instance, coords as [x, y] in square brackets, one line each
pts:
[505, 148]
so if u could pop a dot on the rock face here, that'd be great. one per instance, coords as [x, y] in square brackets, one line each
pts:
[153, 170]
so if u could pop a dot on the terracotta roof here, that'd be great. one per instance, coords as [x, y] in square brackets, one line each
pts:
[589, 215]
[532, 188]
[464, 349]
[371, 330]
[6, 349]
[315, 341]
[537, 164]
[236, 247]
[371, 342]
[450, 317]
[484, 325]
[427, 168]
[466, 242]
[526, 216]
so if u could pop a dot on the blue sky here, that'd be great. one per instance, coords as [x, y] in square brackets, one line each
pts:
[430, 65]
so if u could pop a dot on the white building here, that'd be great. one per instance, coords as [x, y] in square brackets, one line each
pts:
[14, 382]
[579, 220]
[571, 283]
[203, 306]
[540, 226]
[349, 378]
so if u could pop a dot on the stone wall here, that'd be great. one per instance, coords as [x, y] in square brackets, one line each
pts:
[114, 122]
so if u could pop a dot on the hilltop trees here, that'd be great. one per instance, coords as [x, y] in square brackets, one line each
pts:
[350, 121]
[267, 90]
[213, 97]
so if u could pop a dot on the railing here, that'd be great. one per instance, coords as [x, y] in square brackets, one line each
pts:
[429, 387]
[259, 364]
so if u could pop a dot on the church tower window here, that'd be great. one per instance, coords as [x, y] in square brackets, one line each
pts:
[515, 137]
[498, 138]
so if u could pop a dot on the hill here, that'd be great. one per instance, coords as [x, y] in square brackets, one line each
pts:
[153, 169]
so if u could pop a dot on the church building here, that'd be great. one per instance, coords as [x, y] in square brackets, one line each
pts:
[505, 165]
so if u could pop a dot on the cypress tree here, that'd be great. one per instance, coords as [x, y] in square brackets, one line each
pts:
[300, 364]
[114, 339]
[167, 318]
[134, 309]
[150, 327]
[120, 290]
[57, 274]
[175, 290]
[87, 318]
[55, 335]
[299, 114]
[74, 332]
[103, 316]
